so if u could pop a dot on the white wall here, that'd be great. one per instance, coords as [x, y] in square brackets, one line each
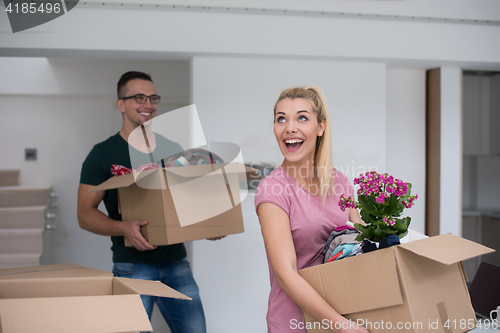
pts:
[235, 99]
[62, 108]
[405, 143]
[63, 129]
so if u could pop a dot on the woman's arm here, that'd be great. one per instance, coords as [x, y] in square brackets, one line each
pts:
[354, 216]
[278, 240]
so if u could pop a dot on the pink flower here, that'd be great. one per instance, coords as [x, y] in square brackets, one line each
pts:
[389, 222]
[380, 199]
[345, 203]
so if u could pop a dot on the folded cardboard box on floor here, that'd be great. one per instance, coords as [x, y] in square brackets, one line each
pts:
[183, 203]
[414, 287]
[71, 298]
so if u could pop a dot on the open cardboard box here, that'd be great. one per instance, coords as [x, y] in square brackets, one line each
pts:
[72, 298]
[414, 287]
[182, 203]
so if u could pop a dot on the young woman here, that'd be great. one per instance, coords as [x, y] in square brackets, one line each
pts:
[297, 205]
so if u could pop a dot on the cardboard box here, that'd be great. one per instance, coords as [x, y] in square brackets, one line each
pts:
[72, 298]
[414, 287]
[182, 203]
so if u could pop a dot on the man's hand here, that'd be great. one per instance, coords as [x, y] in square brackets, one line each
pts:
[215, 238]
[92, 219]
[132, 232]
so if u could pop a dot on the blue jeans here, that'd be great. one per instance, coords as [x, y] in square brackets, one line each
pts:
[182, 316]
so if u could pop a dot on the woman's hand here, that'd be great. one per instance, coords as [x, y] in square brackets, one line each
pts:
[349, 326]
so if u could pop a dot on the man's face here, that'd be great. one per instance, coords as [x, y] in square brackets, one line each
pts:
[135, 114]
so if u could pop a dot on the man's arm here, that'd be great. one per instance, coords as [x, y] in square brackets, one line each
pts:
[92, 219]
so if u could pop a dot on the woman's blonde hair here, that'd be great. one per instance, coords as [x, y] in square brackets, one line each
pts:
[323, 165]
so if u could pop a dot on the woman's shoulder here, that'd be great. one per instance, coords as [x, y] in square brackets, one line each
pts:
[338, 174]
[273, 189]
[277, 176]
[341, 183]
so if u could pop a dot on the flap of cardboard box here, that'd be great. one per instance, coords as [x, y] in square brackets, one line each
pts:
[147, 179]
[105, 314]
[154, 180]
[144, 287]
[50, 271]
[194, 171]
[68, 280]
[54, 281]
[32, 269]
[446, 249]
[359, 283]
[116, 182]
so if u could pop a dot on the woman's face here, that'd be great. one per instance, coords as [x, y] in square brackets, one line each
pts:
[296, 129]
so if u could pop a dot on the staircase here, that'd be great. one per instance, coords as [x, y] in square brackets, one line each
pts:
[22, 221]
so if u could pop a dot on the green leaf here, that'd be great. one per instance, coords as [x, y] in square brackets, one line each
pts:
[394, 208]
[403, 224]
[367, 204]
[365, 230]
[362, 228]
[408, 192]
[387, 229]
[401, 235]
[367, 217]
[383, 230]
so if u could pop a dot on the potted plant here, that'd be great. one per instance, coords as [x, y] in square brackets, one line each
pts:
[381, 200]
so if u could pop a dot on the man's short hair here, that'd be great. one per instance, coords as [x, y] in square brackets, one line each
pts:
[130, 76]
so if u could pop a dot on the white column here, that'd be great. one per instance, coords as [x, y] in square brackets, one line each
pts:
[451, 151]
[405, 140]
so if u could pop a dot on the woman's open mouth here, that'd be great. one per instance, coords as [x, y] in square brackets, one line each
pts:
[293, 144]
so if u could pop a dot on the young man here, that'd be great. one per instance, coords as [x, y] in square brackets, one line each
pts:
[138, 102]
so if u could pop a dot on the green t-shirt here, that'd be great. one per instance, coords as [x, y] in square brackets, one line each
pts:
[97, 169]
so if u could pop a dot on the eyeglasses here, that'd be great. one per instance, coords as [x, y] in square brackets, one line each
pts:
[142, 99]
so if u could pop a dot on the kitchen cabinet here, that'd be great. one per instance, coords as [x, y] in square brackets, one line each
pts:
[482, 226]
[481, 115]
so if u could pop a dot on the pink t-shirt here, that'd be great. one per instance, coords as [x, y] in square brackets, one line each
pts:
[311, 223]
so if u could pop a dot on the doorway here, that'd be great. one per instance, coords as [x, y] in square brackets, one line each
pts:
[481, 163]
